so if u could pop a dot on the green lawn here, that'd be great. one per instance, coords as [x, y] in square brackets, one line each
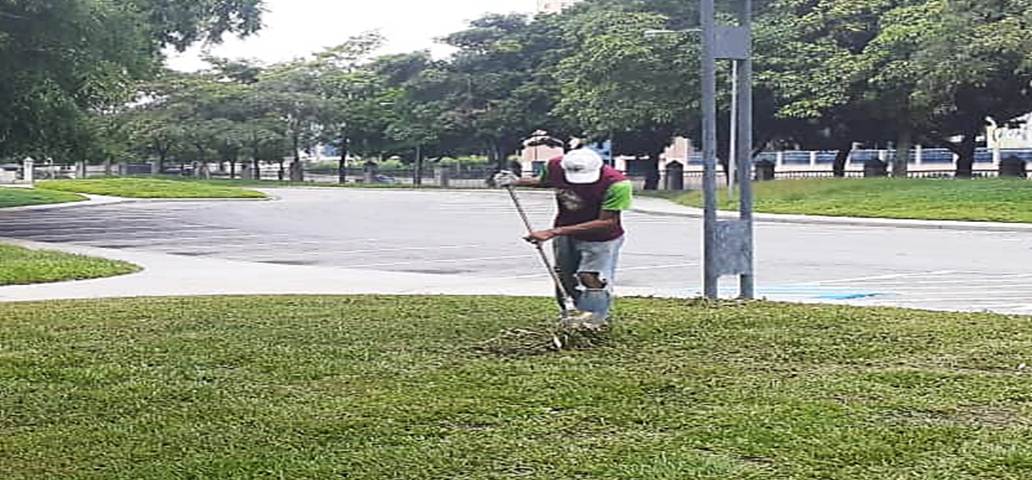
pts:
[139, 187]
[22, 197]
[397, 388]
[997, 200]
[21, 266]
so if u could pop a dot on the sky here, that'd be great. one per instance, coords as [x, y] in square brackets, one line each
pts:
[296, 28]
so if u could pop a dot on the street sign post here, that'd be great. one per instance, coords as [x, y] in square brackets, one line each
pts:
[728, 244]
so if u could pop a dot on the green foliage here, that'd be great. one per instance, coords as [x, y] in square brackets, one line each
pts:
[828, 74]
[23, 197]
[148, 188]
[21, 266]
[868, 70]
[985, 200]
[389, 387]
[362, 94]
[620, 80]
[68, 59]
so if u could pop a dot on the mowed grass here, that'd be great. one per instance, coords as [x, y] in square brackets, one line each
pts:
[139, 187]
[996, 200]
[396, 388]
[22, 266]
[23, 197]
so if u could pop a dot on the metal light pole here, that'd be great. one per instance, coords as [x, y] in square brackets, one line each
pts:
[744, 105]
[709, 148]
[728, 245]
[732, 165]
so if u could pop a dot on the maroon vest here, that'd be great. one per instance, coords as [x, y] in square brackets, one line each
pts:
[583, 203]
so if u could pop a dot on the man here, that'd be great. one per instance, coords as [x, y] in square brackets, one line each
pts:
[588, 231]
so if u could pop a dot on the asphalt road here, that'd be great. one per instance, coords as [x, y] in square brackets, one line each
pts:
[477, 234]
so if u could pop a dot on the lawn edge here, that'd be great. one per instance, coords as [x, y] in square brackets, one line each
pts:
[135, 268]
[685, 211]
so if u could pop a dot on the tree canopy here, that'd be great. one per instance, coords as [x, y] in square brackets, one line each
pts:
[829, 74]
[66, 59]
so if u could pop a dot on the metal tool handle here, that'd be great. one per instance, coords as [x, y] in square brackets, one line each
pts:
[541, 250]
[519, 208]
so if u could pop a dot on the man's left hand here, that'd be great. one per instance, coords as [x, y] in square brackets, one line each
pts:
[541, 236]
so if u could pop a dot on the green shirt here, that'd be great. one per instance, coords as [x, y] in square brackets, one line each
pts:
[619, 197]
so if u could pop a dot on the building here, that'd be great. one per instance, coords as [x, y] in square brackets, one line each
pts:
[1015, 134]
[540, 148]
[554, 6]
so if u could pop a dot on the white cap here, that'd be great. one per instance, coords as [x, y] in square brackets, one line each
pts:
[583, 166]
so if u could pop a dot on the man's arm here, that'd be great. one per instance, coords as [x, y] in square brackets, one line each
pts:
[531, 183]
[508, 179]
[605, 222]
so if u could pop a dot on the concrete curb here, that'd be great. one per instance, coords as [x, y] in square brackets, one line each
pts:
[91, 201]
[674, 210]
[268, 198]
[532, 191]
[101, 200]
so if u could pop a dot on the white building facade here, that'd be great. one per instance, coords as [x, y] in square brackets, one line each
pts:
[1015, 134]
[554, 6]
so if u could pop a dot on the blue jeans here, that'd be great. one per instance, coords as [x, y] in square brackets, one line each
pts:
[574, 257]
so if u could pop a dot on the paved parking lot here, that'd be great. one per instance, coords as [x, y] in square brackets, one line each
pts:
[477, 234]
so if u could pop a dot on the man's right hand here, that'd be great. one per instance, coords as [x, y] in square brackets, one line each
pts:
[506, 179]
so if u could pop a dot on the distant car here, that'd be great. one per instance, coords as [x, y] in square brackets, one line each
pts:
[386, 180]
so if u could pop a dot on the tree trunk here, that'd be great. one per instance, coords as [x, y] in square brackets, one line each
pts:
[841, 159]
[297, 171]
[418, 178]
[652, 175]
[232, 169]
[493, 158]
[901, 162]
[256, 173]
[966, 152]
[282, 170]
[200, 166]
[162, 156]
[342, 169]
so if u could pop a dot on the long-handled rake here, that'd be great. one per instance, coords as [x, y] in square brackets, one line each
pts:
[571, 316]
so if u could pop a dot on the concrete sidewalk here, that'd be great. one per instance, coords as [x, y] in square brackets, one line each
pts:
[659, 206]
[173, 275]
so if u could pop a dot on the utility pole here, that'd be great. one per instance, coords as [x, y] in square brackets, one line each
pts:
[728, 245]
[744, 105]
[417, 180]
[709, 149]
[732, 162]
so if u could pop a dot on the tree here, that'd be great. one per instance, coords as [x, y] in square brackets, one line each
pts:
[500, 87]
[975, 63]
[358, 98]
[65, 60]
[620, 84]
[868, 70]
[290, 92]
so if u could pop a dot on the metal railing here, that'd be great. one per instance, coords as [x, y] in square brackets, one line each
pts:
[474, 177]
